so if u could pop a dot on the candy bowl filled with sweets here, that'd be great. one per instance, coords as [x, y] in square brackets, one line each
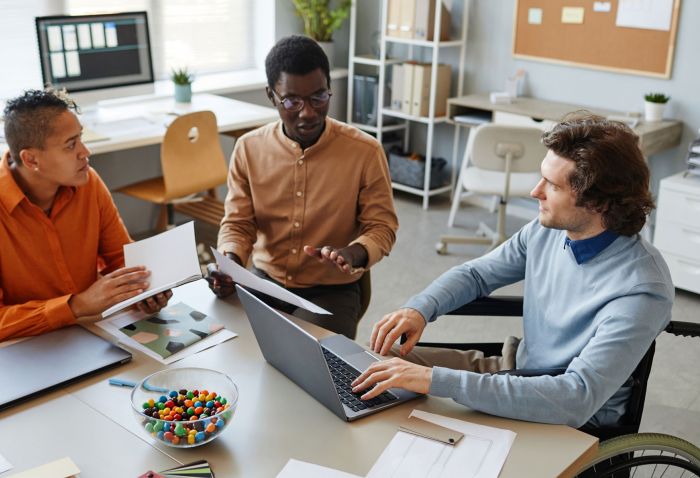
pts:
[185, 407]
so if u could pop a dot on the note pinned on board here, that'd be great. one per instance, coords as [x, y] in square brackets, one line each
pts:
[534, 16]
[602, 6]
[572, 15]
[244, 277]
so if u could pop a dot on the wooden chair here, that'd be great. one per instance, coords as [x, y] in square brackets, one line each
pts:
[193, 166]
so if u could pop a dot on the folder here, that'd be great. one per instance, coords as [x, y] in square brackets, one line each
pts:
[420, 92]
[406, 18]
[424, 21]
[358, 115]
[393, 18]
[370, 99]
[397, 72]
[407, 101]
[420, 96]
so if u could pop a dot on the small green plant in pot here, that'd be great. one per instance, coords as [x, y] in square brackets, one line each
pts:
[654, 104]
[321, 20]
[182, 79]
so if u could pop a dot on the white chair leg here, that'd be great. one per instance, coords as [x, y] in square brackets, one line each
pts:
[456, 199]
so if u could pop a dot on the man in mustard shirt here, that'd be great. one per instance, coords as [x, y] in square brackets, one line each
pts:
[309, 198]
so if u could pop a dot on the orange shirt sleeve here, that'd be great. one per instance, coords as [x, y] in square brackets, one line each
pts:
[34, 317]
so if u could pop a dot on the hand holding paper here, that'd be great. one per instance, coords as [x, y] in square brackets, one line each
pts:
[170, 257]
[244, 277]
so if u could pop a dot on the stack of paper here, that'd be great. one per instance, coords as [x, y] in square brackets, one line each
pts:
[479, 452]
[170, 256]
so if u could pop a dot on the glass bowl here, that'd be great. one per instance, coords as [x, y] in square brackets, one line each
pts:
[185, 407]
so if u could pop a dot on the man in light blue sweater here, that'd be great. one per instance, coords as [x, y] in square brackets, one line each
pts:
[595, 296]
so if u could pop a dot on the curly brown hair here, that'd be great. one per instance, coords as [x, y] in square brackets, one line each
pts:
[610, 175]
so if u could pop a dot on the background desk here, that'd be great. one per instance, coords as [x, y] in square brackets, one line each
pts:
[653, 137]
[133, 124]
[275, 421]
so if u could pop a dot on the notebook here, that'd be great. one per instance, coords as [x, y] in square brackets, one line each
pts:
[38, 364]
[324, 368]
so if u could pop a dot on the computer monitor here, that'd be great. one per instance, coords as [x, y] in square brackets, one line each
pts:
[96, 57]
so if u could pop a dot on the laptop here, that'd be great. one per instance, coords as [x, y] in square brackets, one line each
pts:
[324, 368]
[39, 364]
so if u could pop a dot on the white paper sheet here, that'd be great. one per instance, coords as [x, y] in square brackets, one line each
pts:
[647, 14]
[244, 277]
[4, 465]
[170, 256]
[480, 454]
[112, 325]
[301, 469]
[63, 468]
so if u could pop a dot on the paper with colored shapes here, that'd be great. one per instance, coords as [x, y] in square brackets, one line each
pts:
[172, 329]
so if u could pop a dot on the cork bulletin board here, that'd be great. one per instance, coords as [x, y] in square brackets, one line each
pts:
[572, 32]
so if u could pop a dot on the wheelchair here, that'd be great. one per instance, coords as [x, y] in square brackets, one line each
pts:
[623, 451]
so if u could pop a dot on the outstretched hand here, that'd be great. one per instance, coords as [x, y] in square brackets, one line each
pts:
[346, 259]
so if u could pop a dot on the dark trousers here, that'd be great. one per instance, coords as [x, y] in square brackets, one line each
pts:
[342, 300]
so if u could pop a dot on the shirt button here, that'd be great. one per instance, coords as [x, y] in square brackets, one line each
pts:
[296, 224]
[289, 277]
[299, 193]
[294, 250]
[300, 162]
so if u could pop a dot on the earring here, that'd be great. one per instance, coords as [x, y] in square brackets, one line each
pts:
[36, 169]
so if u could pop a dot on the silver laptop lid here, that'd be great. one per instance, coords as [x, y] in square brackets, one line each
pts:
[38, 364]
[291, 350]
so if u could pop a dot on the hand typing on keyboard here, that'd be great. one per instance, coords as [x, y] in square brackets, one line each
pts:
[393, 373]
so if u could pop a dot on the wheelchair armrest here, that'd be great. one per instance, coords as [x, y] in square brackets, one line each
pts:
[686, 329]
[533, 372]
[504, 305]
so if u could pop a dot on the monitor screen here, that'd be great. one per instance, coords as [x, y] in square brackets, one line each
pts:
[93, 52]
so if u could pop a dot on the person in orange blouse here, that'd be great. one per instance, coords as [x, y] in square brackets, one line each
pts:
[61, 237]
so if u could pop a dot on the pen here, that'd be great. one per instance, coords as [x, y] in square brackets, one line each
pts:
[122, 383]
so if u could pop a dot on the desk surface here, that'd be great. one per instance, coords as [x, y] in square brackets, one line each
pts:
[653, 137]
[275, 420]
[135, 124]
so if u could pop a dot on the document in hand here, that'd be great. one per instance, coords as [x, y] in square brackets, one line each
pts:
[481, 452]
[244, 277]
[170, 256]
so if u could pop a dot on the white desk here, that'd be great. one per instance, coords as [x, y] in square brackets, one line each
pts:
[133, 124]
[275, 419]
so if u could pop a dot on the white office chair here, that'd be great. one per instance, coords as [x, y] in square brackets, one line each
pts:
[501, 161]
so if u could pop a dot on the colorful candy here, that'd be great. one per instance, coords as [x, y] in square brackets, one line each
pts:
[186, 417]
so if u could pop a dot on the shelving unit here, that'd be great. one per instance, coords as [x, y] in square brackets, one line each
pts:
[381, 63]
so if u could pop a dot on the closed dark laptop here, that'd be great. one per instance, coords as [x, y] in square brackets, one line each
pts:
[35, 365]
[323, 367]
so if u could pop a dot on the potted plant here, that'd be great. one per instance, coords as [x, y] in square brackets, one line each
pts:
[654, 104]
[321, 20]
[182, 79]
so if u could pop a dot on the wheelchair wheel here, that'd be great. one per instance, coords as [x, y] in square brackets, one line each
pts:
[645, 455]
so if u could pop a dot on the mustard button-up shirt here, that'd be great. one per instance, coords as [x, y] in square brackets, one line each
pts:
[281, 198]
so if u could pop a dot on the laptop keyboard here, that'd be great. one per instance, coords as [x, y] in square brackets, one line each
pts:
[343, 375]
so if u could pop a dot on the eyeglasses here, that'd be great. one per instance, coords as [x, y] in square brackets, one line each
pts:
[296, 103]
